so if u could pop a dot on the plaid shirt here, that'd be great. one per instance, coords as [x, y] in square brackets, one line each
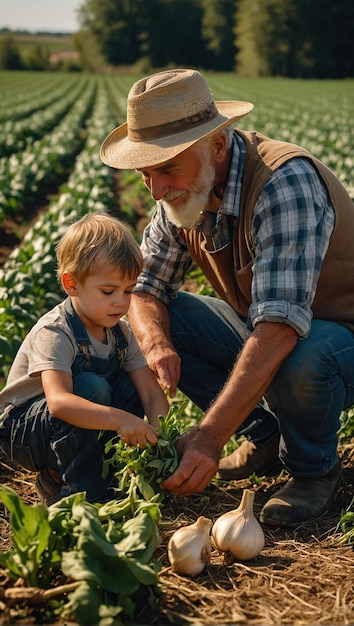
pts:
[292, 225]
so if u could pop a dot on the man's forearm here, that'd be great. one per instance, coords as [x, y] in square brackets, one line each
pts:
[149, 321]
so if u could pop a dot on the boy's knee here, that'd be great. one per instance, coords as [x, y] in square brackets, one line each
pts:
[92, 387]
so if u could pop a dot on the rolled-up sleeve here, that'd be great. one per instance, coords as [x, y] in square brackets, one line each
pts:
[293, 222]
[166, 258]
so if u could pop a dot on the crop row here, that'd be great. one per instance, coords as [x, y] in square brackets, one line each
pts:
[28, 285]
[18, 134]
[24, 173]
[315, 114]
[24, 93]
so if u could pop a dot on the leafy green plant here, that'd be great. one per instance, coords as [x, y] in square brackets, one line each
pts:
[35, 553]
[146, 469]
[106, 549]
[346, 525]
[204, 287]
[346, 431]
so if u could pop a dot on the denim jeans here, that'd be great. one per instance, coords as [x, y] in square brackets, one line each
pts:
[311, 389]
[208, 335]
[306, 398]
[36, 439]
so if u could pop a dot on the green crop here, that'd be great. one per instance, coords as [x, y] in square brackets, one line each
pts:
[146, 469]
[346, 526]
[105, 549]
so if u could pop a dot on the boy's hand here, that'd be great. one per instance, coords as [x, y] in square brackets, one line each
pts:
[135, 432]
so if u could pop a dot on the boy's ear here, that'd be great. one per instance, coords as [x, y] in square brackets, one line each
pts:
[69, 283]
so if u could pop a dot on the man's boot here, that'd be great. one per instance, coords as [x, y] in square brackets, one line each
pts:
[261, 459]
[302, 499]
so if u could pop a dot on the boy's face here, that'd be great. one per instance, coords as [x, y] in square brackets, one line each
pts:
[103, 298]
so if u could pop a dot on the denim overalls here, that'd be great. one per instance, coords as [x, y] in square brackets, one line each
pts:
[34, 438]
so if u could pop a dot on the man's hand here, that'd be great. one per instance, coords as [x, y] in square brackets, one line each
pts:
[198, 465]
[165, 363]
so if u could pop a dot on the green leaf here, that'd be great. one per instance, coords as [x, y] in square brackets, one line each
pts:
[141, 536]
[144, 487]
[85, 603]
[110, 573]
[145, 574]
[5, 346]
[31, 533]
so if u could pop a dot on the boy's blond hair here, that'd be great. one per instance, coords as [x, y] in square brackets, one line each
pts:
[98, 238]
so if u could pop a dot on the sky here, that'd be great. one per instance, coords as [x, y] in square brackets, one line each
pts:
[40, 15]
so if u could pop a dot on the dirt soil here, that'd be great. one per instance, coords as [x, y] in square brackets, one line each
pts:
[301, 577]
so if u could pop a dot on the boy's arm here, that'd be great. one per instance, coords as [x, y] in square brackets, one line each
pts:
[151, 395]
[65, 405]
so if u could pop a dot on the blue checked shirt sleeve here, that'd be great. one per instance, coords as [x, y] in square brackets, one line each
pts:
[292, 225]
[166, 258]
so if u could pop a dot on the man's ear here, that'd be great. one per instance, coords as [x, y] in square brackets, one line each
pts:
[219, 147]
[69, 283]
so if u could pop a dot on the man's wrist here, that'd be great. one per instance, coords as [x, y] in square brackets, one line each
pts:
[157, 345]
[209, 439]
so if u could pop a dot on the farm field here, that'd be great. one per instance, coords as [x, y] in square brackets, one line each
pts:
[50, 174]
[54, 43]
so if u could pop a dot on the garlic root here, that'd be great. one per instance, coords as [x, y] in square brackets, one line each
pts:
[190, 546]
[238, 531]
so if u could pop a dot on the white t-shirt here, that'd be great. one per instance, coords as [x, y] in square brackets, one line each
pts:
[51, 345]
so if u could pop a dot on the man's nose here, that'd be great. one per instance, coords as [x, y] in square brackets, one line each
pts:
[158, 187]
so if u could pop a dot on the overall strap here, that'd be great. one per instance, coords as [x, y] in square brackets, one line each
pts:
[121, 342]
[79, 330]
[82, 338]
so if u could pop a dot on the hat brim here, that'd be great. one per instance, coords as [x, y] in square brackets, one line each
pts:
[118, 151]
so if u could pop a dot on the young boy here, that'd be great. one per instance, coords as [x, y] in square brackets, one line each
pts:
[80, 370]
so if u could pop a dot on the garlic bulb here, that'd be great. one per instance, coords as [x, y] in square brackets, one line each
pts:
[189, 547]
[238, 531]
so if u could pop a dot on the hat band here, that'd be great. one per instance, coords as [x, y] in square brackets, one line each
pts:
[163, 130]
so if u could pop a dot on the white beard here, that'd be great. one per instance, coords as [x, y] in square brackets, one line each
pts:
[187, 215]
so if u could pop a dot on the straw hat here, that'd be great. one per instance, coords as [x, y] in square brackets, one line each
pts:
[166, 113]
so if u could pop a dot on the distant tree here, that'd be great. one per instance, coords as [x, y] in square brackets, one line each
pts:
[269, 34]
[161, 31]
[328, 28]
[10, 58]
[295, 38]
[116, 27]
[173, 33]
[36, 58]
[279, 36]
[217, 32]
[90, 57]
[248, 21]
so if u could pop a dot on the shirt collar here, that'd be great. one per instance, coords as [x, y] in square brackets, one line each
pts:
[232, 195]
[218, 224]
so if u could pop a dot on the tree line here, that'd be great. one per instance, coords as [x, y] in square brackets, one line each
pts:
[292, 38]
